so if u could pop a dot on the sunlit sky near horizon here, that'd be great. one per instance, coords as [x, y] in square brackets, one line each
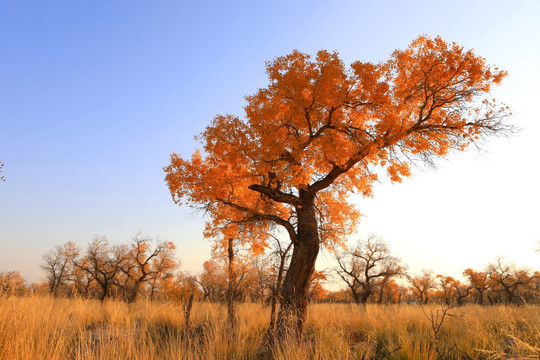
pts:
[95, 96]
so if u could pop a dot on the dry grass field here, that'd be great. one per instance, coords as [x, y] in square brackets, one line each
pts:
[44, 328]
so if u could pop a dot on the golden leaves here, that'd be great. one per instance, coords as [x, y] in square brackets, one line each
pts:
[319, 123]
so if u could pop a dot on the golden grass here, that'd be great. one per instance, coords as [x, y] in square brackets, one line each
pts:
[58, 329]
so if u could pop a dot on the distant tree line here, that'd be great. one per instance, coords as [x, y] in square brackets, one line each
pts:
[103, 270]
[369, 272]
[372, 275]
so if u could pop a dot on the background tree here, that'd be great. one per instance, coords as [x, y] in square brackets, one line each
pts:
[446, 288]
[11, 283]
[138, 267]
[82, 282]
[391, 292]
[237, 269]
[422, 285]
[317, 292]
[58, 265]
[39, 289]
[103, 263]
[1, 166]
[183, 287]
[162, 267]
[363, 267]
[461, 291]
[479, 282]
[507, 278]
[211, 281]
[260, 278]
[281, 257]
[534, 289]
[316, 133]
[387, 284]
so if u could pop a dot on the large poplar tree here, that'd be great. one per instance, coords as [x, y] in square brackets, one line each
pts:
[318, 132]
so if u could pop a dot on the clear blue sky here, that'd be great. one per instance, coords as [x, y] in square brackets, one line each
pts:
[95, 95]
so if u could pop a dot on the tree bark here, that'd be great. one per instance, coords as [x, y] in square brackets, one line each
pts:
[365, 296]
[277, 288]
[104, 291]
[381, 293]
[187, 315]
[231, 287]
[293, 302]
[481, 298]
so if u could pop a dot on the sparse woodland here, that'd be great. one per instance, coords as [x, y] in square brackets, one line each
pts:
[366, 274]
[153, 310]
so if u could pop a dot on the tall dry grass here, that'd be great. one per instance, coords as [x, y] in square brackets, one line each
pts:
[59, 329]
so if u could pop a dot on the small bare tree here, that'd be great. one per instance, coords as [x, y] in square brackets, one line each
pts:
[58, 265]
[436, 319]
[281, 256]
[367, 266]
[103, 263]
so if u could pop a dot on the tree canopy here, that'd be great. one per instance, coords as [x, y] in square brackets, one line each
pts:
[321, 128]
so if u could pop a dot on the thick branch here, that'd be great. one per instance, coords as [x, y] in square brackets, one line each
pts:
[276, 195]
[254, 216]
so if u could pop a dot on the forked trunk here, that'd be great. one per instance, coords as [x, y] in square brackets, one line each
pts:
[365, 296]
[104, 291]
[293, 302]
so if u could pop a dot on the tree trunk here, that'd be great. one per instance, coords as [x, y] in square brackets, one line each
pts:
[481, 298]
[277, 289]
[365, 296]
[132, 293]
[273, 308]
[54, 289]
[153, 288]
[104, 291]
[231, 311]
[187, 315]
[381, 293]
[293, 304]
[509, 296]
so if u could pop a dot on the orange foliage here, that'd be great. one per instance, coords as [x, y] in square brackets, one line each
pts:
[11, 283]
[321, 128]
[316, 290]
